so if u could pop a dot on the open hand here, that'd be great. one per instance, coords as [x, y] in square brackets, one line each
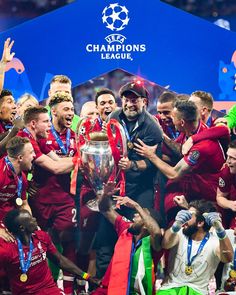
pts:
[6, 236]
[7, 55]
[126, 201]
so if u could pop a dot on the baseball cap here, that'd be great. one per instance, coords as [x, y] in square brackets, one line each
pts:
[136, 88]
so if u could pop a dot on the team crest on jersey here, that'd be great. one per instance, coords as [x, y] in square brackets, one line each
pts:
[221, 182]
[193, 157]
[82, 130]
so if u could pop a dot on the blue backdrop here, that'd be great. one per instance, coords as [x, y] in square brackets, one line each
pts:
[148, 38]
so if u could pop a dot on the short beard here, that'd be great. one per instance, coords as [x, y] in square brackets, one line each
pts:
[190, 230]
[134, 230]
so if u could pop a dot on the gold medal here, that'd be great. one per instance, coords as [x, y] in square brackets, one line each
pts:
[130, 145]
[19, 202]
[23, 277]
[232, 273]
[188, 270]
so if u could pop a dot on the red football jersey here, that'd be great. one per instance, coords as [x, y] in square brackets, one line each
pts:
[54, 188]
[37, 150]
[39, 274]
[227, 180]
[4, 127]
[8, 189]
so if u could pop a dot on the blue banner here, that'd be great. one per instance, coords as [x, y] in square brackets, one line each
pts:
[147, 38]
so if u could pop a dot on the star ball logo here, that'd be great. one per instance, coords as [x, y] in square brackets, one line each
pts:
[116, 18]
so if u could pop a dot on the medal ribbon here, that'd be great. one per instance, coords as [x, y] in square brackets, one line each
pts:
[63, 148]
[201, 246]
[27, 131]
[99, 119]
[25, 264]
[19, 178]
[234, 263]
[130, 138]
[174, 135]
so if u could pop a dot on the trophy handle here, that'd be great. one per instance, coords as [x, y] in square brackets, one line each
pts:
[117, 139]
[118, 144]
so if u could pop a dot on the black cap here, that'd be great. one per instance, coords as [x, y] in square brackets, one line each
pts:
[136, 88]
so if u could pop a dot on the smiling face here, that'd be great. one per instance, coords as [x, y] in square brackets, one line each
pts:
[132, 105]
[165, 110]
[105, 105]
[26, 158]
[231, 160]
[7, 109]
[63, 114]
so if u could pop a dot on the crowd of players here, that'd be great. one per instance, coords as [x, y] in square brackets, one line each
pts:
[178, 212]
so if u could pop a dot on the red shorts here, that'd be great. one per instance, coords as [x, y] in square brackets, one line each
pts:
[56, 216]
[88, 219]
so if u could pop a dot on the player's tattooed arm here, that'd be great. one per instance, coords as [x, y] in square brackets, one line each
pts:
[175, 147]
[182, 168]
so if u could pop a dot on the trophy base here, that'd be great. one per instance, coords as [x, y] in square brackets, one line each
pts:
[93, 205]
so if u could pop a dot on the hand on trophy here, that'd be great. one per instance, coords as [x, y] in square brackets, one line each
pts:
[124, 163]
[109, 188]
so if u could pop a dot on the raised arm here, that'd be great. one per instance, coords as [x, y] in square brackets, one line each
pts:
[151, 225]
[7, 56]
[170, 172]
[105, 203]
[225, 250]
[171, 237]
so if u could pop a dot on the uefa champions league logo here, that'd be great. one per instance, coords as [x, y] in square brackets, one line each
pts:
[115, 17]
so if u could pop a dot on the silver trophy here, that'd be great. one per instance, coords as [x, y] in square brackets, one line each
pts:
[98, 164]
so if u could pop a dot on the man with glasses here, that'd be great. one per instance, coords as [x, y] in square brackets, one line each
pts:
[139, 172]
[137, 123]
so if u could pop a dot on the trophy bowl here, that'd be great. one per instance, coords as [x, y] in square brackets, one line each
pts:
[98, 163]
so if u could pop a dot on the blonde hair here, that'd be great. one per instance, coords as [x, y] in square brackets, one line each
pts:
[25, 97]
[59, 97]
[61, 79]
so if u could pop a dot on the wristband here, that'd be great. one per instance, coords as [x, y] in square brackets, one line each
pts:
[175, 227]
[85, 276]
[221, 234]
